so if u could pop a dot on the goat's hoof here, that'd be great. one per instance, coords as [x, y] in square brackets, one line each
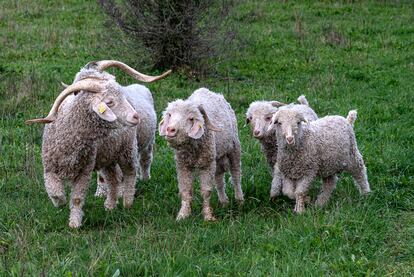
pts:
[365, 192]
[181, 217]
[272, 198]
[145, 177]
[240, 200]
[274, 195]
[109, 206]
[299, 211]
[58, 201]
[319, 203]
[224, 203]
[210, 218]
[127, 202]
[74, 224]
[100, 194]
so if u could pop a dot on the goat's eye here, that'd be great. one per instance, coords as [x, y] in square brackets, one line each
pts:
[110, 103]
[191, 119]
[268, 118]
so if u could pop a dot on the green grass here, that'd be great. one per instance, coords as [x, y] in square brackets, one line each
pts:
[341, 55]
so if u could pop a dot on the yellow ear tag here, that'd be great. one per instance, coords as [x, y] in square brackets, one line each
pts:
[101, 108]
[200, 125]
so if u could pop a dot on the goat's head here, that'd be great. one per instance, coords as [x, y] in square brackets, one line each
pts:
[259, 116]
[107, 102]
[183, 121]
[110, 104]
[288, 126]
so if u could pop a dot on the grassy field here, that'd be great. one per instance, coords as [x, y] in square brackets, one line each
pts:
[341, 55]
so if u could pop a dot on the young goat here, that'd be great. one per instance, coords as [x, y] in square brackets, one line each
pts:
[190, 128]
[259, 116]
[324, 148]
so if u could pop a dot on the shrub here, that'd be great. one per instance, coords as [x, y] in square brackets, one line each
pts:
[178, 34]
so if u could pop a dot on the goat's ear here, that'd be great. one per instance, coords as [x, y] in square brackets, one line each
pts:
[197, 130]
[162, 126]
[207, 121]
[273, 122]
[104, 112]
[277, 104]
[247, 120]
[302, 118]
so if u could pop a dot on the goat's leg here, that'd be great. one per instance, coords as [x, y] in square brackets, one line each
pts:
[301, 191]
[185, 186]
[55, 189]
[206, 183]
[328, 185]
[77, 200]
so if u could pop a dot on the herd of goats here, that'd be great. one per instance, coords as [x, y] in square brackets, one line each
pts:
[97, 124]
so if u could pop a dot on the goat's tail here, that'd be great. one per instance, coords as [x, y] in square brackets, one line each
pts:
[352, 116]
[302, 99]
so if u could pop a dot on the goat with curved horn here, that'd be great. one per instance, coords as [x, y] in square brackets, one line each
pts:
[104, 64]
[86, 84]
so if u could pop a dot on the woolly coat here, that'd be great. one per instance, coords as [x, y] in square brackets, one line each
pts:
[139, 97]
[326, 147]
[199, 153]
[79, 141]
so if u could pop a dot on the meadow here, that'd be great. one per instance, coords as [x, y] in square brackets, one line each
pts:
[341, 55]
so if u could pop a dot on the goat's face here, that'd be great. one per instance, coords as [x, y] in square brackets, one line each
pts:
[112, 106]
[288, 126]
[181, 122]
[184, 121]
[259, 116]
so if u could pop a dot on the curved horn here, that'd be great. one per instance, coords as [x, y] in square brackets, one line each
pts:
[102, 65]
[64, 85]
[88, 85]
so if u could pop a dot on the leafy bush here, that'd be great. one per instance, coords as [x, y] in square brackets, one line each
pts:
[178, 34]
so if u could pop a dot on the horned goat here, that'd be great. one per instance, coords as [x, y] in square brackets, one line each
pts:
[93, 129]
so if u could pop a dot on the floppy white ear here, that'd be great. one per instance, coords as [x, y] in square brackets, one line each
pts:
[277, 104]
[104, 112]
[270, 127]
[303, 119]
[272, 122]
[247, 121]
[197, 130]
[162, 126]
